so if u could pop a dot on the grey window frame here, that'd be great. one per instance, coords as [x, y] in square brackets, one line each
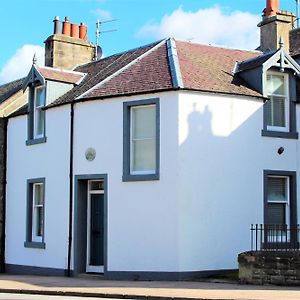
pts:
[28, 242]
[31, 139]
[292, 192]
[292, 133]
[292, 175]
[127, 176]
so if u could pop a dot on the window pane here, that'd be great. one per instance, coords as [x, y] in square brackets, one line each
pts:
[38, 194]
[39, 221]
[40, 97]
[143, 157]
[40, 121]
[277, 189]
[144, 123]
[96, 185]
[275, 111]
[276, 213]
[275, 84]
[278, 111]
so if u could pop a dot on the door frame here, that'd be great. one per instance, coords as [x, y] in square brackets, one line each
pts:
[80, 220]
[91, 268]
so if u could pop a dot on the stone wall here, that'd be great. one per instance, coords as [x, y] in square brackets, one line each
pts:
[2, 189]
[270, 267]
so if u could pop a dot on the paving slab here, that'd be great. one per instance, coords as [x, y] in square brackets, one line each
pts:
[92, 287]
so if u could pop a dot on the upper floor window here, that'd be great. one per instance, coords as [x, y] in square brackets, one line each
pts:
[36, 115]
[280, 108]
[39, 113]
[141, 140]
[277, 108]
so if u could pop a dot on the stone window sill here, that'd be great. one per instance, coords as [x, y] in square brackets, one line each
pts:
[36, 245]
[36, 141]
[279, 134]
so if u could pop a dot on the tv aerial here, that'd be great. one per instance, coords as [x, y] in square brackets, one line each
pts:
[98, 49]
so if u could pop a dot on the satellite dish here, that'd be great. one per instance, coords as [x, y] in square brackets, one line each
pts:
[99, 52]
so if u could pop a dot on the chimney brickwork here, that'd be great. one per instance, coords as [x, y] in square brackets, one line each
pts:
[273, 27]
[70, 48]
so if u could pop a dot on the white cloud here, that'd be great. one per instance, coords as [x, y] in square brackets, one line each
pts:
[102, 14]
[20, 63]
[208, 26]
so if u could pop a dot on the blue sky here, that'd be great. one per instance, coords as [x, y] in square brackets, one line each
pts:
[27, 23]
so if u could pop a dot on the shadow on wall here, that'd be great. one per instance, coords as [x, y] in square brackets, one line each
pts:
[220, 189]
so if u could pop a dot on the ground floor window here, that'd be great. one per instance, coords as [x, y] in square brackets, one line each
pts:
[35, 214]
[278, 205]
[280, 211]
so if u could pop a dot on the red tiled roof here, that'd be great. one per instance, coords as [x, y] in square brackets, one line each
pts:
[209, 68]
[149, 73]
[147, 69]
[100, 70]
[60, 75]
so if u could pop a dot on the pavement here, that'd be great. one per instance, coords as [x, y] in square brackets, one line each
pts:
[175, 290]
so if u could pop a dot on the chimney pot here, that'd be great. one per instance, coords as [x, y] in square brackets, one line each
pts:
[272, 8]
[57, 29]
[75, 30]
[83, 31]
[66, 27]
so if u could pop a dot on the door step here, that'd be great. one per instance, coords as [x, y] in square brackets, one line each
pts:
[91, 276]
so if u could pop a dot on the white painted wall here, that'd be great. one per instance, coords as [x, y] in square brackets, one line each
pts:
[222, 156]
[142, 216]
[49, 160]
[196, 217]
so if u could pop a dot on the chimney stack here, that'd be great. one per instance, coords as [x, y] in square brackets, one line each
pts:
[275, 24]
[68, 48]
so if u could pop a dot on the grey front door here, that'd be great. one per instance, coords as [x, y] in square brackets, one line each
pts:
[95, 228]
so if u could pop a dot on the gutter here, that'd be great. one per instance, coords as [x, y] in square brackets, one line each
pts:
[71, 189]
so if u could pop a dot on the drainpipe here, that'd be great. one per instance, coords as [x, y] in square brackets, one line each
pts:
[2, 262]
[71, 189]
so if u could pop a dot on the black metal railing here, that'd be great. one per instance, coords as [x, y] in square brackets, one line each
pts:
[271, 237]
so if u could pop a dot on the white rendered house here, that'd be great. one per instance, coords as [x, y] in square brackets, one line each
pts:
[152, 163]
